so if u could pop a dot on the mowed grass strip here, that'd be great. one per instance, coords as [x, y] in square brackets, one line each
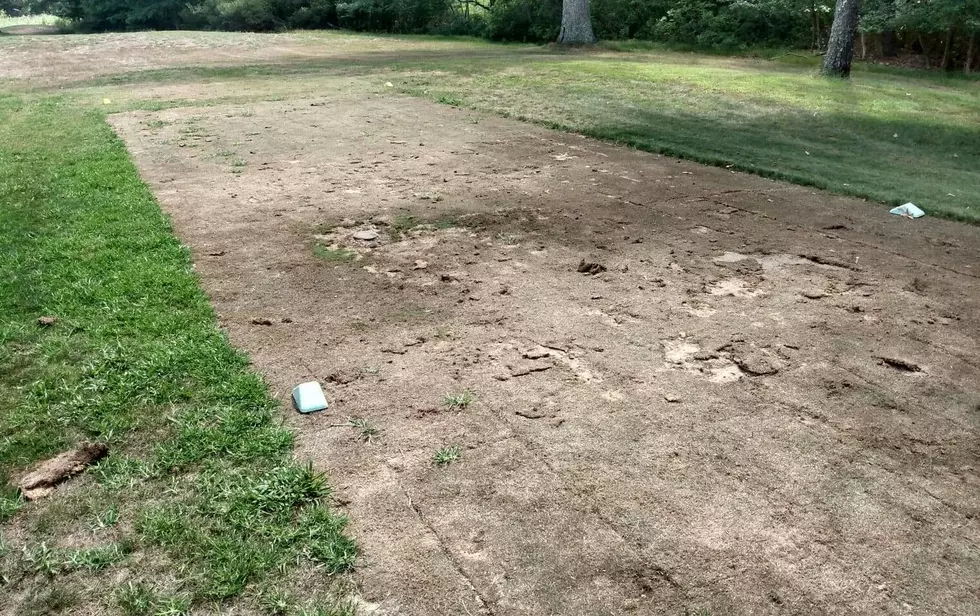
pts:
[199, 500]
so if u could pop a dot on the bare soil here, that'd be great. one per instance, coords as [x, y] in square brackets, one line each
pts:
[693, 389]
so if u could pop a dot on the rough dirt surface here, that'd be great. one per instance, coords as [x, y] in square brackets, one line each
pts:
[50, 61]
[763, 400]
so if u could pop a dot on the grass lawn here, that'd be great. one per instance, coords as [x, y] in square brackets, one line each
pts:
[889, 136]
[200, 501]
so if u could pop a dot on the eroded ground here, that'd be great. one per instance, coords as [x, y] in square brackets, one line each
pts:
[756, 399]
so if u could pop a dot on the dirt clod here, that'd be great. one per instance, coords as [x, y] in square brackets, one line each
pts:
[261, 321]
[900, 364]
[48, 474]
[589, 267]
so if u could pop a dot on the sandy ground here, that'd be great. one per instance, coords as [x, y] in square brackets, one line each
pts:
[757, 399]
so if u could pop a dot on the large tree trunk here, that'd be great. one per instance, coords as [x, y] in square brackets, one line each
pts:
[815, 26]
[888, 44]
[969, 53]
[576, 23]
[840, 47]
[947, 62]
[925, 51]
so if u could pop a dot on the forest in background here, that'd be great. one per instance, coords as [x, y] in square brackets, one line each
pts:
[925, 33]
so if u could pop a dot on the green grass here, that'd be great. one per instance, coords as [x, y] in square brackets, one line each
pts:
[458, 401]
[366, 431]
[199, 482]
[7, 21]
[445, 456]
[334, 255]
[887, 135]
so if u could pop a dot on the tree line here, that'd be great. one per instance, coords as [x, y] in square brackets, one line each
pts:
[941, 33]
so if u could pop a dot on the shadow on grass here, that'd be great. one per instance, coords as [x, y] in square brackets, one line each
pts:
[883, 160]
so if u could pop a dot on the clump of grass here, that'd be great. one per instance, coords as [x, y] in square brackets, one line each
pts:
[509, 239]
[238, 165]
[276, 601]
[448, 99]
[106, 519]
[458, 401]
[365, 431]
[10, 502]
[401, 225]
[135, 599]
[49, 561]
[98, 557]
[334, 255]
[445, 456]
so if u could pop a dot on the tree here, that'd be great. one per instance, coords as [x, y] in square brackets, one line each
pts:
[576, 23]
[840, 45]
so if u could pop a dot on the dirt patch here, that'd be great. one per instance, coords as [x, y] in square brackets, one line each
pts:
[703, 422]
[30, 30]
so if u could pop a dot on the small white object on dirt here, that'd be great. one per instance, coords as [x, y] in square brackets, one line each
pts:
[366, 235]
[309, 398]
[909, 210]
[420, 265]
[388, 84]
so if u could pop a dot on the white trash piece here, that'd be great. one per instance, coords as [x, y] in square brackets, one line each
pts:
[909, 210]
[309, 398]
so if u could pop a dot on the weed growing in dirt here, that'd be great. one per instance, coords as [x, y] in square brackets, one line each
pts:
[366, 432]
[445, 456]
[334, 255]
[199, 470]
[458, 401]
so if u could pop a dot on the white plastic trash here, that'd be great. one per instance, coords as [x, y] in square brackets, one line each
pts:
[909, 210]
[309, 398]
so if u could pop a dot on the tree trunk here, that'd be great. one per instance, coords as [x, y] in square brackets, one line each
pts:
[925, 51]
[888, 44]
[969, 53]
[840, 46]
[864, 48]
[947, 62]
[576, 23]
[815, 26]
